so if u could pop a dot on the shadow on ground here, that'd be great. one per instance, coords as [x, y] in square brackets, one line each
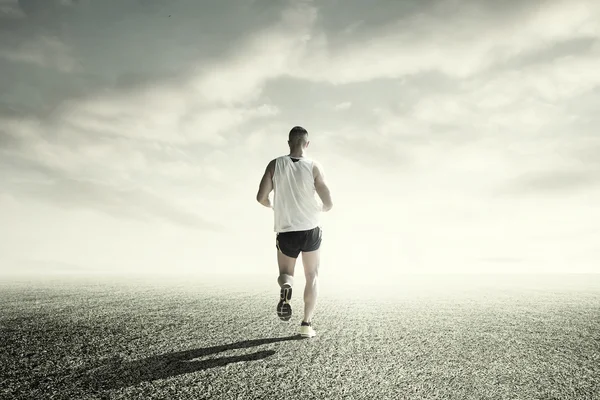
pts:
[116, 373]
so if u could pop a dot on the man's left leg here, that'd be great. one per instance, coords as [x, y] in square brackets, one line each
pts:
[286, 269]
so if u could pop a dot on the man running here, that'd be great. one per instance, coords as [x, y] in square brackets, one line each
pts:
[294, 178]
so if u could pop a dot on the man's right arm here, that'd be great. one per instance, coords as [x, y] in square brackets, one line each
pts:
[321, 187]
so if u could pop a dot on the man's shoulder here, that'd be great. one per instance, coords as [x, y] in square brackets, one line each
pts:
[271, 165]
[317, 164]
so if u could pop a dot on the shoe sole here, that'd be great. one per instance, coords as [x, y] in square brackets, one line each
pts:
[284, 309]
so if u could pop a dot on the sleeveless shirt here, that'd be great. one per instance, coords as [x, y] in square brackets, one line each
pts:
[295, 204]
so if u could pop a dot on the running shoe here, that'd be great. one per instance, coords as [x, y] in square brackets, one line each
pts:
[284, 309]
[306, 330]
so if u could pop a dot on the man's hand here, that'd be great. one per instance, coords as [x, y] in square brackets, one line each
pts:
[326, 208]
[266, 203]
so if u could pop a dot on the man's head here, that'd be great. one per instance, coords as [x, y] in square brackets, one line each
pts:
[298, 138]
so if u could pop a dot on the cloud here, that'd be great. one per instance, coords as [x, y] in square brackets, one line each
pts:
[43, 52]
[111, 177]
[99, 46]
[114, 149]
[460, 42]
[555, 181]
[153, 110]
[8, 140]
[131, 202]
[9, 9]
[36, 7]
[342, 106]
[214, 96]
[366, 149]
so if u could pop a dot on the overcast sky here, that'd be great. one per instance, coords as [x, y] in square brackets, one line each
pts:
[455, 135]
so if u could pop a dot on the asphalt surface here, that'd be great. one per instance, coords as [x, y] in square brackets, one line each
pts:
[206, 340]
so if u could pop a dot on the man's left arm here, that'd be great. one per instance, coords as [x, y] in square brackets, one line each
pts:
[266, 185]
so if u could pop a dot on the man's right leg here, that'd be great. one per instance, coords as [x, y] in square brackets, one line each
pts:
[285, 281]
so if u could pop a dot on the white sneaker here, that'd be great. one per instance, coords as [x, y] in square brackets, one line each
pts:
[307, 331]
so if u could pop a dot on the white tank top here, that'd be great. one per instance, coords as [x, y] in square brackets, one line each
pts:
[294, 201]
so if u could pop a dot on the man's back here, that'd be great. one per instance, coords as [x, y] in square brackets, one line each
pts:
[294, 203]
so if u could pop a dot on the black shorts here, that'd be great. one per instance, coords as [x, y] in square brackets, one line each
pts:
[292, 243]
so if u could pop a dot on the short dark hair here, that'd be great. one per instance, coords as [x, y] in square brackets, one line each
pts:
[297, 131]
[298, 136]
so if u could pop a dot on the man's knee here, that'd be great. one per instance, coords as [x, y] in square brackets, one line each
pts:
[312, 275]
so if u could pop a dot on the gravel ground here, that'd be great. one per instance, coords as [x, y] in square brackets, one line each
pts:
[104, 339]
